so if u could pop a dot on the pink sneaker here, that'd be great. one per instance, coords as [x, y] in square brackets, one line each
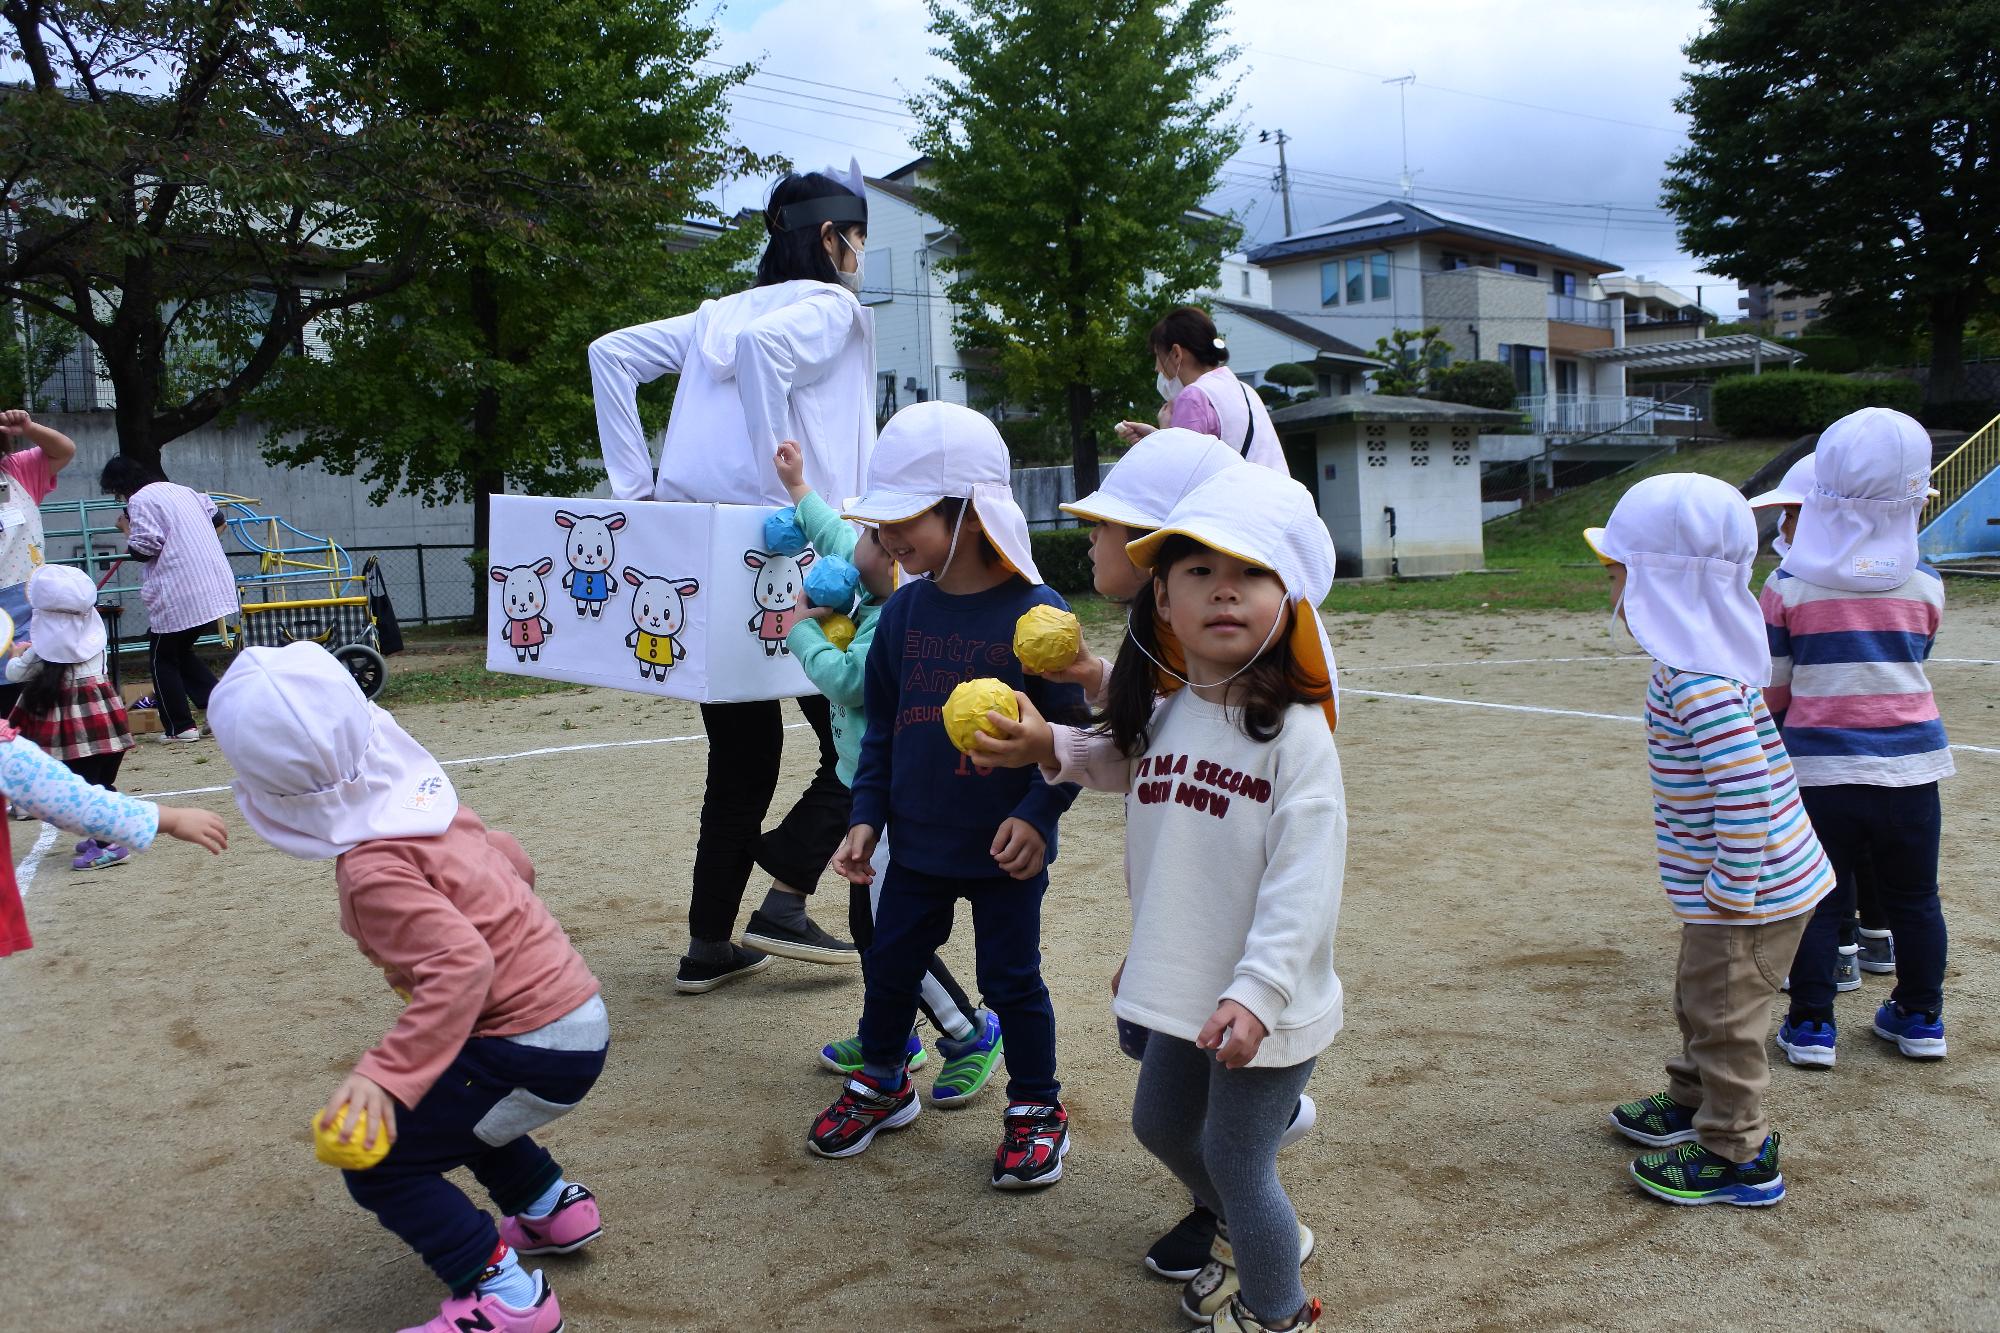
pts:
[572, 1224]
[462, 1313]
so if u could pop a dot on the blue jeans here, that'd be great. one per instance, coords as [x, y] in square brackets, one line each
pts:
[1893, 832]
[914, 920]
[476, 1116]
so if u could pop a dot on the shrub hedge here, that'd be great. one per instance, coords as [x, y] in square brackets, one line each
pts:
[1063, 556]
[1797, 402]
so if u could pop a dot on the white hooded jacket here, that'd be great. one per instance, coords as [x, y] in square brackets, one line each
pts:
[791, 361]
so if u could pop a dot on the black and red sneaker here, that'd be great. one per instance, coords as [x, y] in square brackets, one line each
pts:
[862, 1111]
[1032, 1146]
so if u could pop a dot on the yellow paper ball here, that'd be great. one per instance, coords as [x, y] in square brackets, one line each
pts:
[1047, 638]
[352, 1155]
[965, 711]
[839, 631]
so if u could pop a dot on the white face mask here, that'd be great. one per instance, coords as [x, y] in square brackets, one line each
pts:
[852, 281]
[1169, 389]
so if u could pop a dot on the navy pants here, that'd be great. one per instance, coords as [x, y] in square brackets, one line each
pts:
[476, 1115]
[1893, 833]
[914, 920]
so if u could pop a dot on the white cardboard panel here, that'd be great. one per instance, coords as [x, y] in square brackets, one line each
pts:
[679, 600]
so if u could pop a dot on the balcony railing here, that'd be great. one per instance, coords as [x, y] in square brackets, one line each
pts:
[1581, 310]
[1598, 414]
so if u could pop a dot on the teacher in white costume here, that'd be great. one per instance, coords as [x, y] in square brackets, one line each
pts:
[1203, 393]
[791, 358]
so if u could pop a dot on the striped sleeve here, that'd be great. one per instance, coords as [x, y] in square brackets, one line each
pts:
[1777, 695]
[1723, 732]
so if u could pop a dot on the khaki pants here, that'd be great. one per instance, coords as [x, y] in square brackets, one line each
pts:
[1723, 987]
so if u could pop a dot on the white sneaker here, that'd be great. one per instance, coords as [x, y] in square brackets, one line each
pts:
[188, 737]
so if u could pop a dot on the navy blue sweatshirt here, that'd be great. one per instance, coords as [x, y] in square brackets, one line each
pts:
[940, 812]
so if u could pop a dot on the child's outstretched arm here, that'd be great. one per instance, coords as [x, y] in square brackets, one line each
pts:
[840, 674]
[40, 786]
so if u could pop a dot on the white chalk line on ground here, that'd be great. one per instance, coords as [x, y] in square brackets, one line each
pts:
[1606, 657]
[1558, 712]
[24, 873]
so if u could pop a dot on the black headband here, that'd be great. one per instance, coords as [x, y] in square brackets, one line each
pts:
[838, 208]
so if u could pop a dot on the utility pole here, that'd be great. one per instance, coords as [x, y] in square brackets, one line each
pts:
[1284, 176]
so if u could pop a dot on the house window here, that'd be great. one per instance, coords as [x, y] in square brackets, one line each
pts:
[1246, 282]
[1812, 314]
[1565, 283]
[1566, 377]
[878, 275]
[1516, 266]
[1789, 316]
[1329, 282]
[1530, 367]
[1378, 277]
[1449, 261]
[1356, 289]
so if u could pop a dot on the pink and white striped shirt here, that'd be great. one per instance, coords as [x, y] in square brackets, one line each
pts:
[188, 582]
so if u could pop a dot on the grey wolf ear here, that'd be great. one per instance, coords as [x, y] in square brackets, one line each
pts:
[614, 522]
[498, 574]
[544, 565]
[687, 587]
[633, 576]
[565, 519]
[755, 558]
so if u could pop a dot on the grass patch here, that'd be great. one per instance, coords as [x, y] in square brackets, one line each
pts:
[460, 682]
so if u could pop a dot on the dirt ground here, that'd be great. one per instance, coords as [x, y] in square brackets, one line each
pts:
[1505, 948]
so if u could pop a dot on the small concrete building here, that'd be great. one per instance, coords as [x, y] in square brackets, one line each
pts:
[1397, 479]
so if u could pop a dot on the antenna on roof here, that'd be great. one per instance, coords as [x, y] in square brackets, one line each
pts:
[1403, 112]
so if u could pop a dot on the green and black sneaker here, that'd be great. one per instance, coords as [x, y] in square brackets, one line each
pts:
[1692, 1174]
[1658, 1121]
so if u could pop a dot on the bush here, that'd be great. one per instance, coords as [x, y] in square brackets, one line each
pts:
[1798, 402]
[1959, 414]
[1063, 556]
[1475, 384]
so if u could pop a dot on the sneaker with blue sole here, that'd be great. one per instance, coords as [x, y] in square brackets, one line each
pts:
[844, 1056]
[1920, 1036]
[1807, 1044]
[1691, 1174]
[1657, 1121]
[968, 1064]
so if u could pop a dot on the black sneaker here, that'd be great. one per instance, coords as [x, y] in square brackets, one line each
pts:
[1180, 1254]
[1657, 1121]
[811, 945]
[1691, 1174]
[1033, 1143]
[696, 977]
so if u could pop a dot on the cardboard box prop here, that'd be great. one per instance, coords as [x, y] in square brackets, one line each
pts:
[681, 600]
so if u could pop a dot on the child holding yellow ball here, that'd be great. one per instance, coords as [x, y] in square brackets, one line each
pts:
[837, 668]
[504, 1029]
[939, 500]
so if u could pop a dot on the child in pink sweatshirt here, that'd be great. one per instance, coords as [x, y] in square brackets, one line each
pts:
[504, 1029]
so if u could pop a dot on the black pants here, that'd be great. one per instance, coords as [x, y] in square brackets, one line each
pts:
[861, 928]
[1895, 831]
[178, 676]
[101, 769]
[745, 743]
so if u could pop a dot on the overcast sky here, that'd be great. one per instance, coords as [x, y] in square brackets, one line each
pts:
[1534, 116]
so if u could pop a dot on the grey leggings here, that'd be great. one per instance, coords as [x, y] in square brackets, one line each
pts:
[1218, 1130]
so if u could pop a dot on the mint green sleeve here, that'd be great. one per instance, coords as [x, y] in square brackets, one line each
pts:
[829, 533]
[837, 674]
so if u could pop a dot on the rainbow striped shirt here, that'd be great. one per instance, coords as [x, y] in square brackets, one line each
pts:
[1734, 844]
[1848, 684]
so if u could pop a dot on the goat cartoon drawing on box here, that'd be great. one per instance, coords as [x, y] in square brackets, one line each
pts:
[659, 613]
[523, 598]
[591, 551]
[778, 590]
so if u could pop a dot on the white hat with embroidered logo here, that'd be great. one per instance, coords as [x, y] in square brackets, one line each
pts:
[66, 627]
[1264, 518]
[1858, 525]
[1151, 478]
[937, 451]
[319, 769]
[1687, 542]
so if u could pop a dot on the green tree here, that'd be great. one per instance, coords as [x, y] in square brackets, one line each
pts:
[473, 375]
[1474, 383]
[1847, 147]
[1071, 147]
[1410, 357]
[1289, 377]
[32, 345]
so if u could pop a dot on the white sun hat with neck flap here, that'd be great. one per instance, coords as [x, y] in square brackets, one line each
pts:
[1687, 542]
[66, 627]
[937, 451]
[1858, 524]
[319, 769]
[1267, 519]
[1151, 478]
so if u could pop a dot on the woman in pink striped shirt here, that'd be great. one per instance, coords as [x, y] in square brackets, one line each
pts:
[188, 584]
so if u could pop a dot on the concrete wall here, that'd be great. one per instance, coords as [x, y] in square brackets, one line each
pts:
[1969, 527]
[1477, 309]
[1429, 473]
